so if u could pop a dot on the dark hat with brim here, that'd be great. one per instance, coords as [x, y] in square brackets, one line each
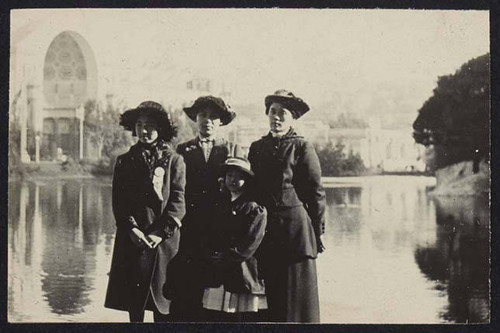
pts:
[238, 163]
[215, 103]
[163, 118]
[289, 101]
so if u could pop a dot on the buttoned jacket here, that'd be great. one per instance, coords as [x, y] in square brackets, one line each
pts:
[236, 233]
[288, 175]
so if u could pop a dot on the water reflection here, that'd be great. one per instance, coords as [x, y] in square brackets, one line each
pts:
[393, 254]
[60, 241]
[459, 260]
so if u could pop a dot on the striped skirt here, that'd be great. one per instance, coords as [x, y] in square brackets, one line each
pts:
[219, 299]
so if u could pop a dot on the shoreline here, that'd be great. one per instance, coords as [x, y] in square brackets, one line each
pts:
[327, 180]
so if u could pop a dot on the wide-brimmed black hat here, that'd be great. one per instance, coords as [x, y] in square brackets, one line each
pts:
[289, 101]
[226, 115]
[238, 163]
[163, 118]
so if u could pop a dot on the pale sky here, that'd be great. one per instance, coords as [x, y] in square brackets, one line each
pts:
[316, 53]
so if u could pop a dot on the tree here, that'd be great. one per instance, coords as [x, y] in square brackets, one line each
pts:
[456, 118]
[102, 127]
[334, 162]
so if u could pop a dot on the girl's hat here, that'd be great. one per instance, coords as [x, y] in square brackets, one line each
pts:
[163, 118]
[224, 111]
[289, 101]
[239, 163]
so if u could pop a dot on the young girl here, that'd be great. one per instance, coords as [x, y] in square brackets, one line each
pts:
[148, 205]
[234, 291]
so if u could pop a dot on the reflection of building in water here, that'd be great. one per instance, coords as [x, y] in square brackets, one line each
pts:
[397, 209]
[55, 235]
[25, 249]
[459, 259]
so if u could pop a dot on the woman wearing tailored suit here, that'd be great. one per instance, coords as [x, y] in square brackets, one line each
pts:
[203, 156]
[148, 204]
[288, 175]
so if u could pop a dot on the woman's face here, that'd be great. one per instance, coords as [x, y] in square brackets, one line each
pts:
[146, 129]
[208, 122]
[235, 180]
[280, 119]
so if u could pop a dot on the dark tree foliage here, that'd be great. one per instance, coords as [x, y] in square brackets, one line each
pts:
[456, 118]
[335, 162]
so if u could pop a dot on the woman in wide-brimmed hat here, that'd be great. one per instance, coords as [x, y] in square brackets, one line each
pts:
[148, 205]
[288, 176]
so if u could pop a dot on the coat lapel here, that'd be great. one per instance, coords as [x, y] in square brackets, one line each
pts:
[218, 153]
[194, 153]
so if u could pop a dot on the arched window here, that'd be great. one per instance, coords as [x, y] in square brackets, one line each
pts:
[64, 73]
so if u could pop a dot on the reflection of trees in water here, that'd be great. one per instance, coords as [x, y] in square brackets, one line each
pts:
[343, 196]
[343, 212]
[460, 257]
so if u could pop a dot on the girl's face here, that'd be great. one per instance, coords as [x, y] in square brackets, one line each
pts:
[208, 122]
[146, 129]
[235, 180]
[280, 119]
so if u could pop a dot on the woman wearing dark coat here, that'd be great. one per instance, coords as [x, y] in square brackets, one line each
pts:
[288, 175]
[148, 205]
[203, 156]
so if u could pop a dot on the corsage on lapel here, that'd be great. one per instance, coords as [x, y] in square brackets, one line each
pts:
[190, 147]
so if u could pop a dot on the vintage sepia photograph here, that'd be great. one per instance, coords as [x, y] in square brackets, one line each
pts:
[249, 166]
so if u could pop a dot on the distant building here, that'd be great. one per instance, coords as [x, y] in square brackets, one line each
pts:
[53, 72]
[390, 150]
[314, 130]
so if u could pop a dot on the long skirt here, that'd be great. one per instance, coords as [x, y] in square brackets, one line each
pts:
[292, 292]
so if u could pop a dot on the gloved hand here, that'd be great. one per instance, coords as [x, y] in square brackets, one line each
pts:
[139, 239]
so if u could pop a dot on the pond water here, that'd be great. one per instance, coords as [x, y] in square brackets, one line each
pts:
[394, 255]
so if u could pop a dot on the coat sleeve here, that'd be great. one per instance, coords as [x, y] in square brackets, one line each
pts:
[175, 209]
[308, 182]
[122, 207]
[252, 156]
[246, 246]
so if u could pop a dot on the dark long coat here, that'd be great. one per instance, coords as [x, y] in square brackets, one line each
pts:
[202, 186]
[134, 272]
[236, 233]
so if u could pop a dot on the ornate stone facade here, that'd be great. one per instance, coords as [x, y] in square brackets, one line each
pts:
[53, 73]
